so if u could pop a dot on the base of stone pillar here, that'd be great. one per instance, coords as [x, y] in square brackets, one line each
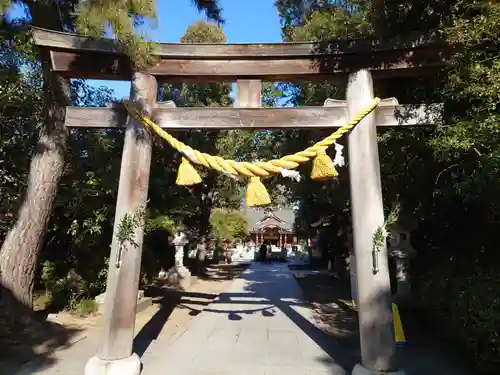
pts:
[126, 366]
[359, 369]
[179, 276]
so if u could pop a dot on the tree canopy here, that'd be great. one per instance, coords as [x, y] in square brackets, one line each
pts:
[445, 178]
[47, 170]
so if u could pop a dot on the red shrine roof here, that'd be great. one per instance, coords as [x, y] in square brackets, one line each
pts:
[269, 218]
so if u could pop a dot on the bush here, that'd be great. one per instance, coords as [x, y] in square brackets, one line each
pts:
[41, 301]
[467, 301]
[158, 251]
[66, 291]
[230, 226]
[85, 307]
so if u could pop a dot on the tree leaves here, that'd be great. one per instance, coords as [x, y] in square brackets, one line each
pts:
[96, 17]
[446, 178]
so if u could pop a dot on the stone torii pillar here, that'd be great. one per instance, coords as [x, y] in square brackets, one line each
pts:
[115, 355]
[378, 348]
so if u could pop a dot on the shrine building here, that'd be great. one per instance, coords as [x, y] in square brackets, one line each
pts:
[273, 226]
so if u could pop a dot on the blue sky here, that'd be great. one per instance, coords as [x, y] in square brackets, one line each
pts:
[247, 21]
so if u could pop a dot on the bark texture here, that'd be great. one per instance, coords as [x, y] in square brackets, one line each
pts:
[205, 195]
[22, 245]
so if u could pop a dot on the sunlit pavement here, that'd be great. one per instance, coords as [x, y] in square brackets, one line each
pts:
[259, 326]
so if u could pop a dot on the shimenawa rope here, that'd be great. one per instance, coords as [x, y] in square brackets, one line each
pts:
[256, 195]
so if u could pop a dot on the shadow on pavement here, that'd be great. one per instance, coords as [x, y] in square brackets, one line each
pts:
[326, 317]
[27, 339]
[168, 302]
[281, 290]
[333, 325]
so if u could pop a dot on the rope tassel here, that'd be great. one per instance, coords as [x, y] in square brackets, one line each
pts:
[256, 194]
[323, 167]
[187, 175]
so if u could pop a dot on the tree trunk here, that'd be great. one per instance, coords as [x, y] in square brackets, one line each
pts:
[203, 236]
[309, 254]
[201, 254]
[20, 250]
[205, 196]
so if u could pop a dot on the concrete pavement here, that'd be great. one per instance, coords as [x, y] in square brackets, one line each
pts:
[257, 327]
[261, 325]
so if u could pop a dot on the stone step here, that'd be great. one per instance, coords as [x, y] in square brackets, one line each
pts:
[142, 302]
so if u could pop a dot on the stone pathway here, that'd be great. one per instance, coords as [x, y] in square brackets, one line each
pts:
[260, 325]
[156, 323]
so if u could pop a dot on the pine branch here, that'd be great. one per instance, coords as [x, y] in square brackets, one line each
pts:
[122, 17]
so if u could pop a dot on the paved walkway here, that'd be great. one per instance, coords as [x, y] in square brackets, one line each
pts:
[257, 327]
[260, 326]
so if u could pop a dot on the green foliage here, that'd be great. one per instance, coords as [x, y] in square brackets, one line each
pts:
[446, 178]
[228, 225]
[466, 302]
[85, 307]
[337, 23]
[381, 235]
[128, 225]
[160, 222]
[67, 291]
[75, 253]
[204, 32]
[234, 144]
[41, 301]
[20, 115]
[4, 5]
[308, 20]
[121, 19]
[207, 194]
[211, 8]
[64, 290]
[94, 17]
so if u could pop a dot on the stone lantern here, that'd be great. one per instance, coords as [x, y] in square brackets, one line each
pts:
[401, 252]
[179, 275]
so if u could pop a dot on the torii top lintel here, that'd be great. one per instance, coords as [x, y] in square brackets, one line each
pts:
[80, 57]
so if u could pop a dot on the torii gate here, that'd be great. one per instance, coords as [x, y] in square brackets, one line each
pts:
[73, 56]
